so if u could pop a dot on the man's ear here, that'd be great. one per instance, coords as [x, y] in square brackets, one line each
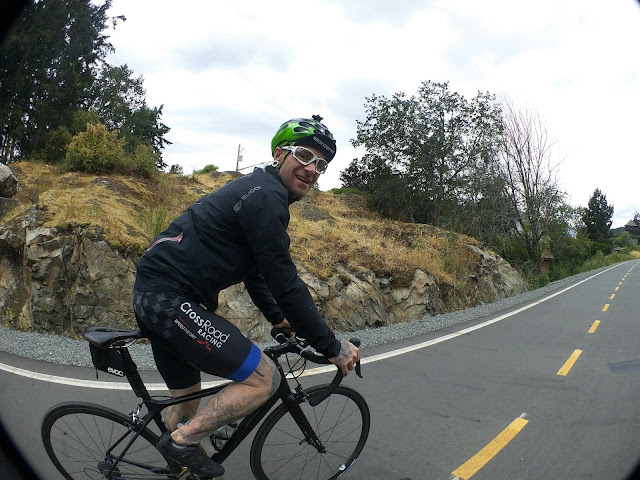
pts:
[279, 154]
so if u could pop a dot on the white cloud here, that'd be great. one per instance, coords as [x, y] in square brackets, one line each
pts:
[229, 73]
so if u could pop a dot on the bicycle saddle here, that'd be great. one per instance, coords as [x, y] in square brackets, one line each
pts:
[103, 337]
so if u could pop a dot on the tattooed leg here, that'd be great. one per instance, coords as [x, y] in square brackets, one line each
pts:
[231, 403]
[178, 415]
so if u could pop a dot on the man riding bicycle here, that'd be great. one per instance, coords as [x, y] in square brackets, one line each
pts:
[235, 234]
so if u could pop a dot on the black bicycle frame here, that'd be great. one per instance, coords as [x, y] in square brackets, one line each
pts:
[155, 406]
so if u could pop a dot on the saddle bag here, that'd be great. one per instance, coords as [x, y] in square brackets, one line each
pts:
[107, 360]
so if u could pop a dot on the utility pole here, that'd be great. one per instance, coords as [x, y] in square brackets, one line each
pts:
[238, 158]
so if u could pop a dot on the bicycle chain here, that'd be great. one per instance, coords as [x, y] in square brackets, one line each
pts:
[184, 475]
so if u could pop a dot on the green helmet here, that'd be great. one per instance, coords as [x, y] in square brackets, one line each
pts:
[307, 132]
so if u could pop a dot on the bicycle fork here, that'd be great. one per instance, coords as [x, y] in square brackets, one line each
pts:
[293, 402]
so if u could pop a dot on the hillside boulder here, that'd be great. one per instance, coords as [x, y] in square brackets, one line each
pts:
[8, 182]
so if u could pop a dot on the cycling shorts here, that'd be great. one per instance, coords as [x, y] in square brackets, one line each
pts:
[186, 339]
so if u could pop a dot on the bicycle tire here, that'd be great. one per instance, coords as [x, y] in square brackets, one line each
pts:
[77, 436]
[279, 450]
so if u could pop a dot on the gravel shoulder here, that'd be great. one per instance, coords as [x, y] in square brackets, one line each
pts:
[67, 351]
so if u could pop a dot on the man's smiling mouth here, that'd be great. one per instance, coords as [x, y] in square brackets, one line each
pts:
[303, 179]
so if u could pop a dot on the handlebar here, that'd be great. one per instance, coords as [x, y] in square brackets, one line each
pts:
[300, 346]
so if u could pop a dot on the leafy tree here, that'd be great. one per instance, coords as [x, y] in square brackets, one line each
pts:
[597, 217]
[425, 152]
[176, 169]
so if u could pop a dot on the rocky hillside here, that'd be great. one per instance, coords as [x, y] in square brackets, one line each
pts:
[70, 242]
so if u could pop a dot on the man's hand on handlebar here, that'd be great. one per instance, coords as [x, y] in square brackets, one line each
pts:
[284, 324]
[347, 358]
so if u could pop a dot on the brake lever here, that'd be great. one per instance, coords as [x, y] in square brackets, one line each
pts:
[281, 335]
[358, 369]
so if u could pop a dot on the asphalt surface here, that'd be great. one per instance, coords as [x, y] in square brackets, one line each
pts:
[481, 396]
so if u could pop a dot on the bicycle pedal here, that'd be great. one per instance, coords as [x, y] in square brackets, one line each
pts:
[185, 474]
[194, 476]
[221, 435]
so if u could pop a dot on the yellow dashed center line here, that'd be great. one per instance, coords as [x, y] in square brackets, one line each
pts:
[480, 459]
[617, 288]
[594, 326]
[569, 363]
[613, 295]
[606, 307]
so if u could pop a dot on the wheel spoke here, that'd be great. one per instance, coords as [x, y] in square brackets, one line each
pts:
[280, 450]
[83, 441]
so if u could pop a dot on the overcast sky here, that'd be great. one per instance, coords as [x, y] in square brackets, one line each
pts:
[229, 73]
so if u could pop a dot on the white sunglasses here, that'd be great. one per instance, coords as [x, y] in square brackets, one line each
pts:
[306, 156]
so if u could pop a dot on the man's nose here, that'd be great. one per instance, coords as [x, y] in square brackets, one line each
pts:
[311, 167]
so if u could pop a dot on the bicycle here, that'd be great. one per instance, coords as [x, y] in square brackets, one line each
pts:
[324, 432]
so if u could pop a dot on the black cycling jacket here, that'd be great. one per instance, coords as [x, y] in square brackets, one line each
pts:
[237, 234]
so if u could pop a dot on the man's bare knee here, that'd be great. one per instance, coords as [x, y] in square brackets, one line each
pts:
[265, 378]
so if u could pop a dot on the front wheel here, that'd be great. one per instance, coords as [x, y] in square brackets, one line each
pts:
[84, 442]
[280, 451]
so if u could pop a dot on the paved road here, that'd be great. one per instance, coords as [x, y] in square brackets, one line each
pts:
[543, 392]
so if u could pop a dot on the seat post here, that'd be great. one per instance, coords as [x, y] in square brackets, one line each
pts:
[131, 370]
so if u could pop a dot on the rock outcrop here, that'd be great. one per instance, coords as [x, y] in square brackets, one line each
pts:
[60, 277]
[63, 280]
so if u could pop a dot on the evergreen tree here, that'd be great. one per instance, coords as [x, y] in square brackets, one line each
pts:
[47, 66]
[597, 217]
[53, 71]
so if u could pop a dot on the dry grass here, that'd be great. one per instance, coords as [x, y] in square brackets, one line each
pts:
[127, 211]
[351, 235]
[326, 229]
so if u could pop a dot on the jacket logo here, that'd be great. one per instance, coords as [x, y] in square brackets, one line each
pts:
[238, 206]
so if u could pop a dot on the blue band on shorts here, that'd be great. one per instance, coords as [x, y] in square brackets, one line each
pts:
[249, 365]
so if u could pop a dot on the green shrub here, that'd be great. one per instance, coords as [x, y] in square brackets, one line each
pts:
[206, 169]
[96, 150]
[143, 162]
[538, 280]
[623, 240]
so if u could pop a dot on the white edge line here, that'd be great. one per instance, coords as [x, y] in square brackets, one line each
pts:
[92, 383]
[312, 371]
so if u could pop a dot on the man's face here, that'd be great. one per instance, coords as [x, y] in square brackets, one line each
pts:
[299, 179]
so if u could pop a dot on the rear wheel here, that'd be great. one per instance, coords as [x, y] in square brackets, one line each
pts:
[85, 440]
[341, 422]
